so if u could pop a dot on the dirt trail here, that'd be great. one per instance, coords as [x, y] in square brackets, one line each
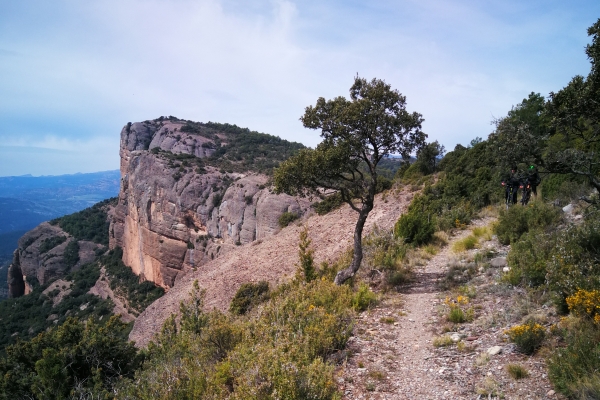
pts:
[392, 354]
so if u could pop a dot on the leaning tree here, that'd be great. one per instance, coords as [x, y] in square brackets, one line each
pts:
[357, 134]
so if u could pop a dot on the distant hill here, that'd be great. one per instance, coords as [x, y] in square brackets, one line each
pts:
[26, 201]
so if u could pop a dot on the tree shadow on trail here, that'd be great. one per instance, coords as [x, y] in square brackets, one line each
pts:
[422, 282]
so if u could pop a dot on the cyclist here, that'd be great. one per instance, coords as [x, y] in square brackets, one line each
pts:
[511, 184]
[534, 178]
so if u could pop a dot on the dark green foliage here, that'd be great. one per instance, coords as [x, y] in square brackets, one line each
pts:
[564, 188]
[575, 261]
[417, 225]
[123, 281]
[287, 218]
[574, 368]
[244, 149]
[89, 224]
[28, 315]
[528, 258]
[357, 134]
[428, 158]
[50, 243]
[248, 296]
[469, 180]
[71, 254]
[329, 203]
[519, 220]
[73, 360]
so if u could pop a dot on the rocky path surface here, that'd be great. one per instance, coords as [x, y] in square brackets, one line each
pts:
[391, 355]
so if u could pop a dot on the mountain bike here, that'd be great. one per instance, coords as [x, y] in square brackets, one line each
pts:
[526, 196]
[510, 192]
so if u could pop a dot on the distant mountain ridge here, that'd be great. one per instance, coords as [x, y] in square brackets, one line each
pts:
[26, 201]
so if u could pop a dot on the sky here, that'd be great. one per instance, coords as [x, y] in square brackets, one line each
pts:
[73, 73]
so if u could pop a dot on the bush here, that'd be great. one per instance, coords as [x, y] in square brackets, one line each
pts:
[306, 262]
[585, 304]
[287, 218]
[415, 227]
[456, 313]
[363, 298]
[564, 188]
[573, 369]
[328, 204]
[73, 360]
[518, 220]
[573, 264]
[278, 353]
[248, 296]
[528, 337]
[528, 259]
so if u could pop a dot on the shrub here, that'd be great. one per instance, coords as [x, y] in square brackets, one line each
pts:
[573, 264]
[573, 369]
[278, 353]
[248, 296]
[287, 218]
[586, 304]
[528, 259]
[456, 313]
[518, 220]
[74, 360]
[528, 337]
[415, 227]
[363, 298]
[305, 254]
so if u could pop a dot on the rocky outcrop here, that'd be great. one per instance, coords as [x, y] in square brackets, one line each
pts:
[175, 213]
[40, 258]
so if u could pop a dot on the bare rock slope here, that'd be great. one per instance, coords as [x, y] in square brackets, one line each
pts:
[272, 259]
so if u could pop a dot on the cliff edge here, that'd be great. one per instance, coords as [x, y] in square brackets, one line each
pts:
[191, 192]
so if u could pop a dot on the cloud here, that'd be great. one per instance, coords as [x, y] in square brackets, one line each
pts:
[79, 70]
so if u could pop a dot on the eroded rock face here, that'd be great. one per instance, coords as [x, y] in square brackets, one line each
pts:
[33, 258]
[173, 215]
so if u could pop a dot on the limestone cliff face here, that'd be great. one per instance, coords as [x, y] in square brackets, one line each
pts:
[36, 260]
[175, 213]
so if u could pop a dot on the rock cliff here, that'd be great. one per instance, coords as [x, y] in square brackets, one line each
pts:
[188, 195]
[43, 255]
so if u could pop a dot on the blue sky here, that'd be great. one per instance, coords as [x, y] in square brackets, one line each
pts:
[72, 72]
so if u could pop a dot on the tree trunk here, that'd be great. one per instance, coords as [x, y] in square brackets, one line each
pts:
[347, 273]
